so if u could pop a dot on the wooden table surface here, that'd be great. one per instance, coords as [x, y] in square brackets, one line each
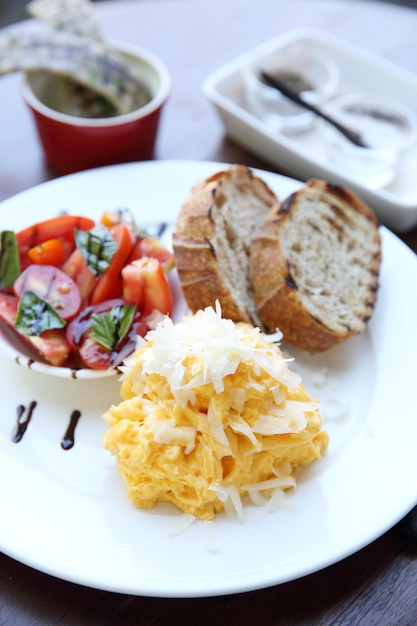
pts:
[375, 586]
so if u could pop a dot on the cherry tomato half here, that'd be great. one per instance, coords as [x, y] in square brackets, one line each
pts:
[52, 345]
[92, 353]
[61, 227]
[50, 252]
[53, 286]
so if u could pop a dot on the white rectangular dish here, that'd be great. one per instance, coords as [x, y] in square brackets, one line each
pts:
[302, 154]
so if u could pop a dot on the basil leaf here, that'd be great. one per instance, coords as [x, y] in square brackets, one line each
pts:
[9, 258]
[109, 329]
[35, 315]
[97, 248]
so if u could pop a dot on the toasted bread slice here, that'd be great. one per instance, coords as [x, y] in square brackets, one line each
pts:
[314, 266]
[212, 241]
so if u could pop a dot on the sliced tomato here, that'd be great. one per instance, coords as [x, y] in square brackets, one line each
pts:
[111, 218]
[92, 353]
[53, 286]
[52, 345]
[153, 248]
[62, 226]
[83, 277]
[8, 307]
[133, 284]
[145, 283]
[50, 252]
[109, 284]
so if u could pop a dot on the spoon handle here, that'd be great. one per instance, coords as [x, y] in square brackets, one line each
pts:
[293, 95]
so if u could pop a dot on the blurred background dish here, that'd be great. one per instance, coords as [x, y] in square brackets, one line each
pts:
[304, 153]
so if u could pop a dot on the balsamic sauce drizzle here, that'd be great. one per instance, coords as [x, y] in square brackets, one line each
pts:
[68, 439]
[24, 415]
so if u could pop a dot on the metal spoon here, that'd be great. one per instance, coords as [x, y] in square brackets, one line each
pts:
[293, 95]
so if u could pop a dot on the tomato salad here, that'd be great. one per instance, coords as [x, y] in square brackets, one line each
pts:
[78, 292]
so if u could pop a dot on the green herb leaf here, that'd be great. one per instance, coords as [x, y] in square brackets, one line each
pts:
[35, 315]
[109, 329]
[97, 247]
[9, 258]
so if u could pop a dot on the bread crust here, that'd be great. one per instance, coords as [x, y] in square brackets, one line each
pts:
[275, 291]
[195, 240]
[201, 281]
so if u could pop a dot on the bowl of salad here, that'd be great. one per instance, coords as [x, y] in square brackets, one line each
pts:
[75, 293]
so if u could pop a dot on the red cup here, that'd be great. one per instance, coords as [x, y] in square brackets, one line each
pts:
[72, 143]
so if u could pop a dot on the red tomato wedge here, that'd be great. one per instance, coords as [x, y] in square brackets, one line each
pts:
[8, 307]
[50, 252]
[152, 247]
[109, 284]
[145, 283]
[52, 345]
[62, 226]
[83, 277]
[53, 286]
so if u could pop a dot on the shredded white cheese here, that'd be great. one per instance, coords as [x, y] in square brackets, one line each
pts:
[212, 414]
[216, 345]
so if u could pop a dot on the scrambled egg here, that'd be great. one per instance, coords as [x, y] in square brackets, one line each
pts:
[211, 412]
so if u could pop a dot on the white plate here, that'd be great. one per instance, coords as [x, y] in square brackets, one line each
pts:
[65, 512]
[302, 154]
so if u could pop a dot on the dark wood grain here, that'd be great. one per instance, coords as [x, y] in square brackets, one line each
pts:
[375, 586]
[378, 584]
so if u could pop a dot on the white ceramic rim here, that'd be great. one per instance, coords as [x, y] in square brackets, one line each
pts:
[158, 100]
